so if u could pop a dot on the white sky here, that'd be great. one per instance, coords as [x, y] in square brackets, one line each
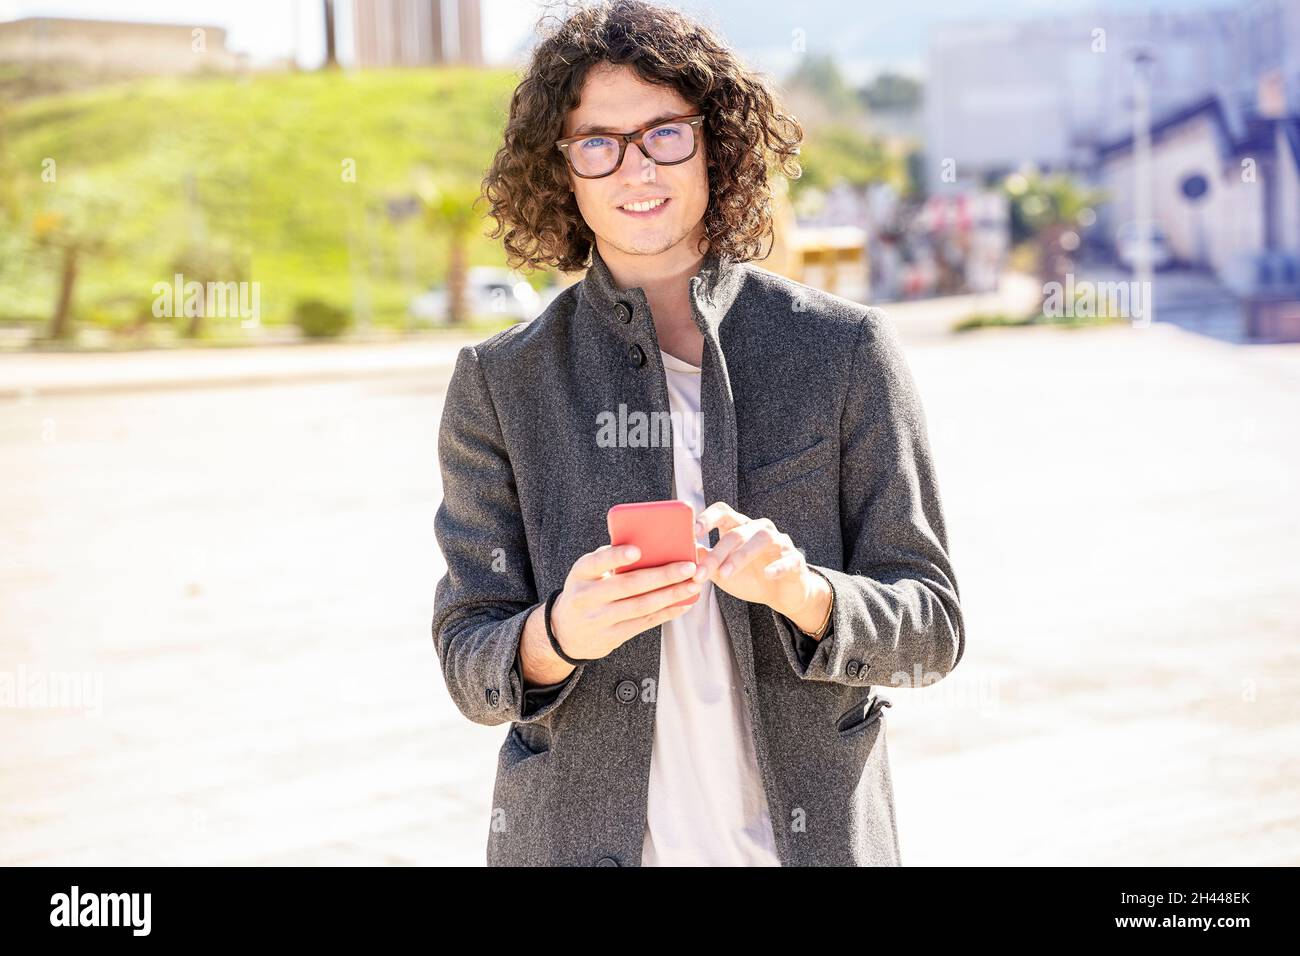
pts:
[863, 35]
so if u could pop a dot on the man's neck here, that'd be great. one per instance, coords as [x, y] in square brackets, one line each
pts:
[666, 280]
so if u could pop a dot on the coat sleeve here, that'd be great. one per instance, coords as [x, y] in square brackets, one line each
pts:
[488, 591]
[895, 617]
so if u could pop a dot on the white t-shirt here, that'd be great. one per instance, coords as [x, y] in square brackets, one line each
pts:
[707, 806]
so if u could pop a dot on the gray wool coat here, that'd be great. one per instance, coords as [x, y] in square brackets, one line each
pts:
[810, 418]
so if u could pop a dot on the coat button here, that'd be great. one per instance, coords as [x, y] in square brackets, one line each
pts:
[607, 861]
[635, 357]
[853, 667]
[493, 696]
[624, 312]
[626, 691]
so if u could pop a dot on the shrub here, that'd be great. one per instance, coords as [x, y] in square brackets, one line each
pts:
[320, 320]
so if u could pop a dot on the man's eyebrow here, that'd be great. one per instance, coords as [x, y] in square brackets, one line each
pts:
[593, 128]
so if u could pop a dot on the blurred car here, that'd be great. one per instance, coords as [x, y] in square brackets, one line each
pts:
[1126, 244]
[490, 292]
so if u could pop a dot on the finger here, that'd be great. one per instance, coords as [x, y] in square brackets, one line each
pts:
[593, 565]
[627, 584]
[783, 565]
[641, 605]
[704, 562]
[727, 546]
[762, 543]
[629, 629]
[701, 562]
[718, 515]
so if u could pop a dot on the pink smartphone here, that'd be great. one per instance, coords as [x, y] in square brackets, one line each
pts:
[663, 530]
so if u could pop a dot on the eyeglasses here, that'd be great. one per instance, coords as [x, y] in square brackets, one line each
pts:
[667, 143]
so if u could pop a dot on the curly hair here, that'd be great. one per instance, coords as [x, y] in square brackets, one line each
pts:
[746, 131]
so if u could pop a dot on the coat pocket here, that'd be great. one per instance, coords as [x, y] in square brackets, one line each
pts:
[862, 715]
[773, 474]
[524, 741]
[520, 830]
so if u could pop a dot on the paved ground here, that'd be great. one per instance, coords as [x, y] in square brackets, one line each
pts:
[1189, 299]
[25, 375]
[248, 572]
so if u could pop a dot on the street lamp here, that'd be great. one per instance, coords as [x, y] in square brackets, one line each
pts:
[1143, 254]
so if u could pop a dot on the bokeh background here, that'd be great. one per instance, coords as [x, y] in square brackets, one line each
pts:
[239, 251]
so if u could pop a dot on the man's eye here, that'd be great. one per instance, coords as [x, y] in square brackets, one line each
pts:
[667, 131]
[596, 142]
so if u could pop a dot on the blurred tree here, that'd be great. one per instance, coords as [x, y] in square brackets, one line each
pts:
[838, 153]
[916, 170]
[818, 75]
[449, 212]
[72, 218]
[892, 92]
[8, 175]
[1048, 212]
[10, 210]
[331, 51]
[1038, 202]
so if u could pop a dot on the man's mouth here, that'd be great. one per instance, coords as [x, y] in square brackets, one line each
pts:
[648, 207]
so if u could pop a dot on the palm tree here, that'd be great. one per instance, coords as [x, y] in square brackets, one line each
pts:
[449, 211]
[71, 225]
[1050, 211]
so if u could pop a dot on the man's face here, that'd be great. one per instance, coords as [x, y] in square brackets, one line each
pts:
[615, 99]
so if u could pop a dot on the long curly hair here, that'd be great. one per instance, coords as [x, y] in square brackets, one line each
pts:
[746, 132]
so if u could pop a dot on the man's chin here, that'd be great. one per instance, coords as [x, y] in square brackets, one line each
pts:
[645, 245]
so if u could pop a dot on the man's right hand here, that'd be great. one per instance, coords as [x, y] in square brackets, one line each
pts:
[600, 610]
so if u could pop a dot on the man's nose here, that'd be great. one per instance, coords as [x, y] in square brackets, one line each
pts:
[637, 167]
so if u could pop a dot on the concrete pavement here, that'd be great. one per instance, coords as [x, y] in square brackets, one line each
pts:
[67, 373]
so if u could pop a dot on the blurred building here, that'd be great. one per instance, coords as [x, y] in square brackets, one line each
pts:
[114, 48]
[1051, 91]
[1216, 193]
[389, 33]
[1225, 131]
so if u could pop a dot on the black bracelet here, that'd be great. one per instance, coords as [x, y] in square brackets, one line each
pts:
[555, 645]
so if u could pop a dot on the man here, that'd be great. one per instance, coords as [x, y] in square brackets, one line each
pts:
[741, 728]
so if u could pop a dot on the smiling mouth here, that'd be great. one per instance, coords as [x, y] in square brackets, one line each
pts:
[644, 208]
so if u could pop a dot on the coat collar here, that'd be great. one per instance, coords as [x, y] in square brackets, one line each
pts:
[713, 290]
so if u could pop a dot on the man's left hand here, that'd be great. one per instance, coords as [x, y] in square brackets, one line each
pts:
[756, 561]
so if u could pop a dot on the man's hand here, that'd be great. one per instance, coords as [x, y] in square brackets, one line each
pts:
[755, 561]
[600, 610]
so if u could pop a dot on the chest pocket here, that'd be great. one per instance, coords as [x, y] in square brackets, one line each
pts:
[773, 475]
